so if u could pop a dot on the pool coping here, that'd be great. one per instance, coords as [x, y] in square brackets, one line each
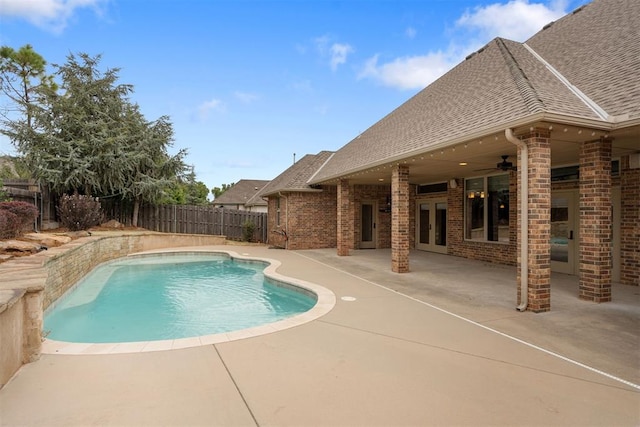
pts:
[326, 300]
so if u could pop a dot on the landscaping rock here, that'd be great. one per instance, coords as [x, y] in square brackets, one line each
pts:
[20, 246]
[112, 224]
[48, 240]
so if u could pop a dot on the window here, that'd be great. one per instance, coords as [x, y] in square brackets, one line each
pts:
[487, 208]
[278, 211]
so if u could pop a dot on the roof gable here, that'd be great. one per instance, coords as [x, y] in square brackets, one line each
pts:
[296, 177]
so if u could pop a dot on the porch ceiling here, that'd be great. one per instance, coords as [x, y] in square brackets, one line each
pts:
[482, 155]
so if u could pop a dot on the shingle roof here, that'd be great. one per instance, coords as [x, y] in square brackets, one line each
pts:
[597, 48]
[508, 81]
[241, 192]
[297, 176]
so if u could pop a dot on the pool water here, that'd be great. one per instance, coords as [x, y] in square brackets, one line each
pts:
[170, 296]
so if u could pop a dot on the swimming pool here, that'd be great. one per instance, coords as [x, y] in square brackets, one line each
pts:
[177, 296]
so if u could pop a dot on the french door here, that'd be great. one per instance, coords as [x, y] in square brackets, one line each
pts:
[431, 226]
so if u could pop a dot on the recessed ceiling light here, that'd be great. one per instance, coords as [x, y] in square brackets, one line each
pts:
[380, 179]
[463, 163]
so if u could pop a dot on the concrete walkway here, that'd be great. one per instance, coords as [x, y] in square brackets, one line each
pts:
[442, 345]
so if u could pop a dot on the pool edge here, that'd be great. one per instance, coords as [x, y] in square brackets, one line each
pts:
[325, 301]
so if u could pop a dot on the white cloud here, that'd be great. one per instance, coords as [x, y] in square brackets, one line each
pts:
[206, 107]
[516, 20]
[411, 72]
[245, 97]
[336, 52]
[339, 54]
[50, 15]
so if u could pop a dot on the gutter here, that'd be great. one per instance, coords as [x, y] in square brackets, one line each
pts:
[523, 170]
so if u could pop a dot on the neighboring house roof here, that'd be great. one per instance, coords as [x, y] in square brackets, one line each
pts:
[297, 177]
[242, 192]
[507, 83]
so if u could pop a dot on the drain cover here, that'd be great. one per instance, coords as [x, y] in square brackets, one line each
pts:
[348, 299]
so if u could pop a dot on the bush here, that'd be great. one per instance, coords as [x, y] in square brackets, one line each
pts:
[248, 228]
[9, 224]
[16, 217]
[79, 212]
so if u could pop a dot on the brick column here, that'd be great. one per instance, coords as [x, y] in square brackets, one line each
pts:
[629, 223]
[400, 219]
[595, 220]
[539, 245]
[345, 218]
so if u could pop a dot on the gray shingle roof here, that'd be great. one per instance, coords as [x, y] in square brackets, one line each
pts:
[507, 81]
[297, 176]
[597, 48]
[241, 192]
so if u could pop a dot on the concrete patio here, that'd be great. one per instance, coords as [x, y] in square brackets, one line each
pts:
[441, 345]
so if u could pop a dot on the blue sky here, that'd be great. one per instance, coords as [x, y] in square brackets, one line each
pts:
[249, 83]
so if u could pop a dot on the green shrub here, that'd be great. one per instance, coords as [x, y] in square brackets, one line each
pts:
[248, 229]
[79, 212]
[16, 217]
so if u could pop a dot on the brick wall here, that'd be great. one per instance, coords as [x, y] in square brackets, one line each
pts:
[539, 259]
[307, 218]
[630, 224]
[380, 194]
[312, 221]
[400, 219]
[345, 218]
[595, 220]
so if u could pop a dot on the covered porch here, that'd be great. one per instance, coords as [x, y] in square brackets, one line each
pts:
[577, 215]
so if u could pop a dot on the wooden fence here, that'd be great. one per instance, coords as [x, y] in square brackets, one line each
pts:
[203, 220]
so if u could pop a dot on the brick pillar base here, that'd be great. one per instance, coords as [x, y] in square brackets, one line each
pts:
[345, 218]
[400, 219]
[595, 221]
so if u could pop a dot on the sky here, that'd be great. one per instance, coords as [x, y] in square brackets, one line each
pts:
[251, 85]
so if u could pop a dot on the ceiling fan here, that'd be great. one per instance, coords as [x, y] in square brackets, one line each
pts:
[504, 165]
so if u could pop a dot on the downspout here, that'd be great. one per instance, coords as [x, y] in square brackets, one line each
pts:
[286, 221]
[524, 218]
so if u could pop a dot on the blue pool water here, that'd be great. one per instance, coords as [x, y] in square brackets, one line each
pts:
[170, 296]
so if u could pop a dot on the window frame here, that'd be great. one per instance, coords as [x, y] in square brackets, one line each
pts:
[485, 209]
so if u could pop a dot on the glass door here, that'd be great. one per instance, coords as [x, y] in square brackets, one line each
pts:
[368, 225]
[431, 227]
[564, 232]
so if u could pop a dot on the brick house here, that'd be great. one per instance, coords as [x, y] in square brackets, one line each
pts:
[525, 154]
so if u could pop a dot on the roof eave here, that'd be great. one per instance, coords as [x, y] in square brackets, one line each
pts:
[479, 134]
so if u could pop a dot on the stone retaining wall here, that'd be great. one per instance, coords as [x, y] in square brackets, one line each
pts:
[28, 285]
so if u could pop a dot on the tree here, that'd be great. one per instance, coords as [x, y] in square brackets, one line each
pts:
[91, 139]
[155, 169]
[196, 192]
[18, 70]
[217, 191]
[77, 139]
